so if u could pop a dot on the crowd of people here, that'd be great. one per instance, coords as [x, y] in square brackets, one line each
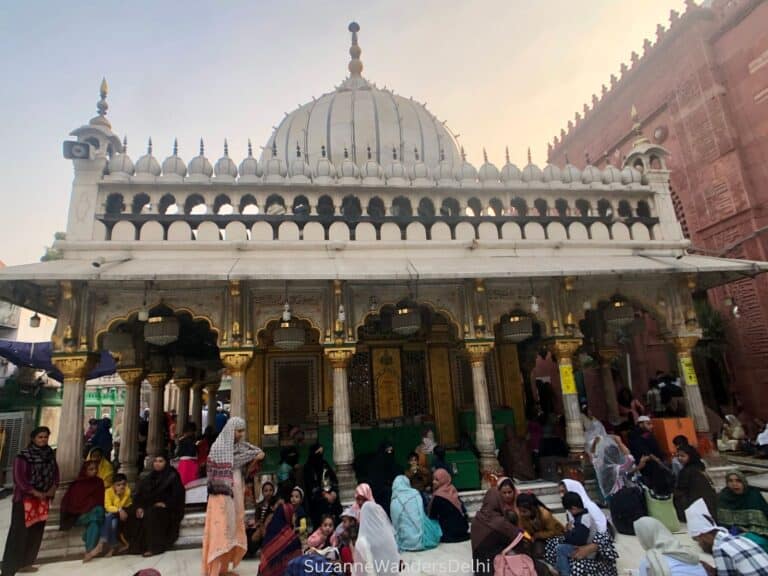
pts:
[299, 528]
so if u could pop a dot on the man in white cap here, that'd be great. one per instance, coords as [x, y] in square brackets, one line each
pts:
[734, 555]
[649, 457]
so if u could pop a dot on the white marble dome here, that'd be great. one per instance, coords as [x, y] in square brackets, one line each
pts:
[510, 172]
[488, 173]
[173, 165]
[225, 166]
[121, 163]
[148, 164]
[200, 165]
[357, 115]
[249, 167]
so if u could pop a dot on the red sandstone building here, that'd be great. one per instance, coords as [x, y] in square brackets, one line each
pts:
[701, 90]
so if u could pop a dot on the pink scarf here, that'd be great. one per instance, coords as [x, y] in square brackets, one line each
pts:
[445, 489]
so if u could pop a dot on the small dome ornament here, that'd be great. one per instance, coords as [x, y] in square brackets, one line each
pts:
[570, 174]
[532, 174]
[174, 168]
[325, 171]
[488, 174]
[250, 171]
[466, 174]
[372, 173]
[275, 170]
[591, 176]
[200, 169]
[300, 172]
[120, 165]
[395, 172]
[552, 176]
[225, 169]
[147, 167]
[349, 173]
[511, 176]
[444, 173]
[611, 174]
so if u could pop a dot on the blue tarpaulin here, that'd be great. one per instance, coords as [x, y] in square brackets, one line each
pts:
[38, 355]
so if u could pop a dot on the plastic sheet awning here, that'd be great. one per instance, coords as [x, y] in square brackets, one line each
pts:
[38, 355]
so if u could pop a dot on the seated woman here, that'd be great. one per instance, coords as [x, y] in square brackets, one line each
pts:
[158, 509]
[414, 530]
[509, 495]
[186, 452]
[665, 556]
[419, 476]
[83, 505]
[105, 469]
[741, 507]
[375, 549]
[255, 528]
[492, 532]
[598, 558]
[447, 508]
[281, 544]
[692, 483]
[538, 521]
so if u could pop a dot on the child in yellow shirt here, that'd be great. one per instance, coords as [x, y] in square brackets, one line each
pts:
[116, 499]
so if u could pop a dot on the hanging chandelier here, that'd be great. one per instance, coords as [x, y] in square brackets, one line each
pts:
[161, 330]
[519, 328]
[406, 320]
[288, 335]
[619, 314]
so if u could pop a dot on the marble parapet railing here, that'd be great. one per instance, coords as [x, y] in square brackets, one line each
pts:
[181, 212]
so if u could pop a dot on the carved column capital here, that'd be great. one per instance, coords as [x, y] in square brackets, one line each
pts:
[74, 367]
[183, 383]
[564, 348]
[608, 353]
[684, 344]
[339, 356]
[477, 350]
[157, 379]
[131, 376]
[236, 360]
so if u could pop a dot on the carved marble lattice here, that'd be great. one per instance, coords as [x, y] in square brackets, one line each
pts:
[414, 383]
[303, 384]
[361, 401]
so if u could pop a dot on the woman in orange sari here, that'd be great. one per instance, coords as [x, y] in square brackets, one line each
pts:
[224, 539]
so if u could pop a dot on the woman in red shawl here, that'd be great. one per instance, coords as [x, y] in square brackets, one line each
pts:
[83, 505]
[280, 544]
[447, 508]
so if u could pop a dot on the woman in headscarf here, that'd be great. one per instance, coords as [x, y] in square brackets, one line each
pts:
[286, 472]
[375, 550]
[665, 556]
[508, 492]
[600, 556]
[447, 508]
[515, 455]
[382, 472]
[281, 544]
[414, 530]
[102, 437]
[158, 509]
[318, 475]
[35, 479]
[538, 521]
[224, 540]
[83, 505]
[363, 494]
[491, 532]
[692, 483]
[105, 469]
[742, 507]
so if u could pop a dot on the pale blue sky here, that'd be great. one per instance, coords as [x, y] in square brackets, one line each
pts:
[500, 72]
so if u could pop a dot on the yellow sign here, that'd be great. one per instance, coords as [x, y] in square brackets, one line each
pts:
[567, 382]
[686, 363]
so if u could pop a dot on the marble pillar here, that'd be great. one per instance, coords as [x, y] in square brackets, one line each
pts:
[609, 387]
[129, 439]
[690, 382]
[484, 438]
[236, 361]
[69, 452]
[564, 349]
[182, 411]
[212, 389]
[196, 410]
[155, 444]
[343, 450]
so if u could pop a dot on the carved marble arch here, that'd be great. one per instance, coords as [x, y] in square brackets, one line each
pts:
[198, 336]
[167, 205]
[450, 208]
[474, 207]
[401, 207]
[583, 207]
[223, 205]
[351, 208]
[643, 209]
[541, 207]
[519, 207]
[248, 205]
[140, 204]
[561, 206]
[114, 204]
[301, 206]
[380, 321]
[311, 329]
[376, 208]
[426, 208]
[325, 206]
[495, 207]
[195, 204]
[604, 208]
[275, 204]
[625, 209]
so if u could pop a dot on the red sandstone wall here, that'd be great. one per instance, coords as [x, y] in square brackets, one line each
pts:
[702, 92]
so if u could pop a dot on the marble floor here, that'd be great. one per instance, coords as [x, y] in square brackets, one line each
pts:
[446, 559]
